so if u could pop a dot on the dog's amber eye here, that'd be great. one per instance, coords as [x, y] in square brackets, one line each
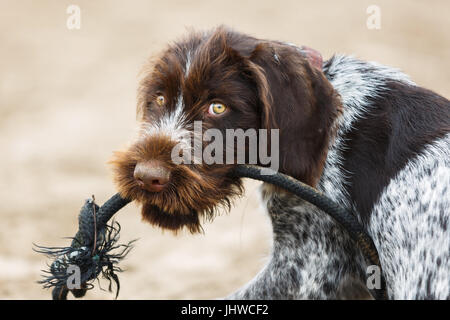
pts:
[160, 100]
[217, 108]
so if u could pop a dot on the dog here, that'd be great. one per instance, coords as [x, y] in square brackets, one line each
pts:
[362, 133]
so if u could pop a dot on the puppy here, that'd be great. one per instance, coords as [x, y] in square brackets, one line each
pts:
[362, 133]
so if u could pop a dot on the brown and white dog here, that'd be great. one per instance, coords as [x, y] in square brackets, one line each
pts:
[360, 132]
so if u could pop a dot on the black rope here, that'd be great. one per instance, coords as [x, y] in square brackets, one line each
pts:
[92, 246]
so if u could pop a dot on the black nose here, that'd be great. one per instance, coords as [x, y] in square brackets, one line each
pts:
[152, 175]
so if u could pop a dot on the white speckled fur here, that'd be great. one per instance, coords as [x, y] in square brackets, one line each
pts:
[407, 226]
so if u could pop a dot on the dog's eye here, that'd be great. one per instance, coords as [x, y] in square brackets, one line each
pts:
[160, 100]
[217, 108]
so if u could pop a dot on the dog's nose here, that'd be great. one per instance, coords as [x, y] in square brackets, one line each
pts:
[151, 175]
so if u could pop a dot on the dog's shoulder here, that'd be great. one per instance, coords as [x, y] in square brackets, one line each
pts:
[410, 225]
[388, 121]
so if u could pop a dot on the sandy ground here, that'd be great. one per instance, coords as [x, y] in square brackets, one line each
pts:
[67, 100]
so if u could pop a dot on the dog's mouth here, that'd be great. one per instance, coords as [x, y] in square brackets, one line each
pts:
[163, 207]
[191, 195]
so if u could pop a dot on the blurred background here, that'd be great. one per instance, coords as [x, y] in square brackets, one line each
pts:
[67, 100]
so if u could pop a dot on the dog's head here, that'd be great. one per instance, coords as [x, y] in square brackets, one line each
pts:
[226, 80]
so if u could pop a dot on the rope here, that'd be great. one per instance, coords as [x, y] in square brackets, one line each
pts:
[92, 245]
[94, 250]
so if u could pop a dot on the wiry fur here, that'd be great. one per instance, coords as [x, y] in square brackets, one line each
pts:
[177, 206]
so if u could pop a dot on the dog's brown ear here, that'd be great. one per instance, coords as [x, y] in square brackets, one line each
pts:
[296, 98]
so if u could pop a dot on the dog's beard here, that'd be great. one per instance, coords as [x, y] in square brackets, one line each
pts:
[193, 195]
